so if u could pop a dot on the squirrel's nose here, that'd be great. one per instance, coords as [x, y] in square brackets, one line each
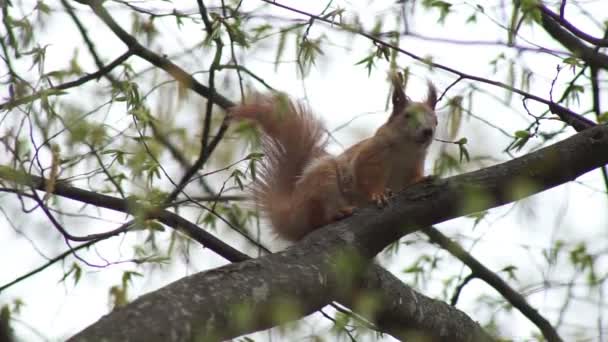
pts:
[427, 132]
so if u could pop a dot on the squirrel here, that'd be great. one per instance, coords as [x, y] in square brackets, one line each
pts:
[301, 187]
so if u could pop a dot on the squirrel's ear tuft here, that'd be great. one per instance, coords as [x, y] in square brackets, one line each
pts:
[399, 98]
[431, 96]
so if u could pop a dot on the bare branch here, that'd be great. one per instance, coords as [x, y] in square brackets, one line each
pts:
[109, 202]
[577, 121]
[87, 39]
[482, 272]
[572, 43]
[57, 90]
[159, 61]
[565, 23]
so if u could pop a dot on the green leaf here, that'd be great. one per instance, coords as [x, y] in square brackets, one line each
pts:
[261, 30]
[531, 10]
[127, 277]
[478, 216]
[521, 139]
[377, 29]
[308, 51]
[574, 61]
[42, 7]
[368, 62]
[236, 34]
[280, 49]
[455, 115]
[464, 153]
[154, 225]
[178, 18]
[253, 168]
[237, 175]
[444, 8]
[75, 271]
[510, 270]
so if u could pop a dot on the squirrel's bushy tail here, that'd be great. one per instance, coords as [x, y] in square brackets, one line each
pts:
[292, 138]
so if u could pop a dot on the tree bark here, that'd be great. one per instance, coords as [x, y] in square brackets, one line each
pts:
[311, 274]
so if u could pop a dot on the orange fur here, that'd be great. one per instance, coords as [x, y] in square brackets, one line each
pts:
[301, 187]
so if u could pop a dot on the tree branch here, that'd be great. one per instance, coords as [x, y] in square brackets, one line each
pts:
[603, 42]
[183, 78]
[161, 62]
[572, 43]
[405, 313]
[87, 39]
[577, 121]
[58, 89]
[482, 272]
[377, 281]
[63, 189]
[205, 305]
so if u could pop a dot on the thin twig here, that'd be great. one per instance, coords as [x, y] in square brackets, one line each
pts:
[57, 90]
[87, 40]
[576, 120]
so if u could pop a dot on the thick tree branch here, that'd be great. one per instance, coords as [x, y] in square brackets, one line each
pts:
[206, 304]
[602, 42]
[262, 291]
[572, 43]
[407, 314]
[377, 280]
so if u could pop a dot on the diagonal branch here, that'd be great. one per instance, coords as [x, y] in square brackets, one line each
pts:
[181, 76]
[577, 121]
[159, 61]
[114, 203]
[86, 38]
[572, 43]
[482, 272]
[376, 280]
[602, 42]
[56, 90]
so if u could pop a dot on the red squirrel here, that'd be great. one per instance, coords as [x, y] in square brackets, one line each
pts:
[301, 187]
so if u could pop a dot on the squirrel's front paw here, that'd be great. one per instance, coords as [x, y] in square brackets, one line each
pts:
[343, 213]
[381, 199]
